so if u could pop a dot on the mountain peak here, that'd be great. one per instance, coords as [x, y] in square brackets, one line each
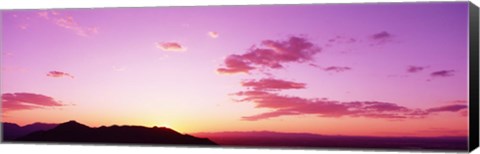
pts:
[72, 131]
[72, 121]
[71, 125]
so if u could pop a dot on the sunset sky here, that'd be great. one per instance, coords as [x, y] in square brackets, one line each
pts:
[337, 69]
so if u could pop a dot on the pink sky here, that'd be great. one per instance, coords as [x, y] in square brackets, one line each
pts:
[370, 69]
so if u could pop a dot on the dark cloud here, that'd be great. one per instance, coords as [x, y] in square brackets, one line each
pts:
[382, 35]
[337, 68]
[443, 73]
[448, 108]
[27, 101]
[381, 38]
[59, 74]
[415, 69]
[271, 55]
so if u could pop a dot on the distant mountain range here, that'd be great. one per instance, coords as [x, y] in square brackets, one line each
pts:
[12, 131]
[74, 132]
[307, 140]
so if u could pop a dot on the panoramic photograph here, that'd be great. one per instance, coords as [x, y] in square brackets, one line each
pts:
[341, 76]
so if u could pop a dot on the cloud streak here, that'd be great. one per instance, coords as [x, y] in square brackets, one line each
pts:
[381, 38]
[448, 108]
[59, 74]
[283, 105]
[272, 84]
[337, 69]
[342, 40]
[171, 46]
[27, 101]
[67, 22]
[263, 93]
[415, 69]
[442, 73]
[272, 54]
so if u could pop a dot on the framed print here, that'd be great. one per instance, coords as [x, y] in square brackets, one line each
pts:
[388, 76]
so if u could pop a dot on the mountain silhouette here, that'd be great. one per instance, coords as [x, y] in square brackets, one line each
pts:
[12, 131]
[74, 132]
[307, 140]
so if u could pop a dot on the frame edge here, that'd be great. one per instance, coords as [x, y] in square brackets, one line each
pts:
[474, 77]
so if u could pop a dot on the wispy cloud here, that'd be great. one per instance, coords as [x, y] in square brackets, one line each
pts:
[268, 115]
[415, 69]
[283, 105]
[59, 74]
[272, 84]
[332, 68]
[442, 73]
[263, 93]
[342, 40]
[27, 101]
[381, 35]
[171, 46]
[381, 38]
[448, 108]
[213, 34]
[454, 106]
[271, 55]
[337, 68]
[67, 22]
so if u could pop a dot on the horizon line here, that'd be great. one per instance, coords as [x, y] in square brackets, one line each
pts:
[236, 131]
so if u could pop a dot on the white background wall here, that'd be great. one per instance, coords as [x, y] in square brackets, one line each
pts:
[82, 149]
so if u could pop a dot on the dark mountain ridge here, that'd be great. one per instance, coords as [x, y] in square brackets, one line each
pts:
[74, 132]
[12, 131]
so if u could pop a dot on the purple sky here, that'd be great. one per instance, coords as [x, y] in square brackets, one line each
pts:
[161, 66]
